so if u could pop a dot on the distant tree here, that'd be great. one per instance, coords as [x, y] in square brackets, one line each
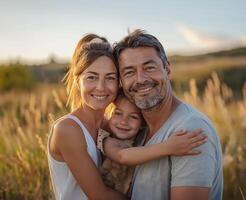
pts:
[15, 77]
[52, 58]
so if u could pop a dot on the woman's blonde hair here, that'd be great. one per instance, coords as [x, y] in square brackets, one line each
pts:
[88, 49]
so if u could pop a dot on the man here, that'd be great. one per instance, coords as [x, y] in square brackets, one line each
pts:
[145, 76]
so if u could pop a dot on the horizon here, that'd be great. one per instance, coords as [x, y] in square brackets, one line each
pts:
[52, 58]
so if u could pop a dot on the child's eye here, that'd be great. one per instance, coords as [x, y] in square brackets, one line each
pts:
[117, 113]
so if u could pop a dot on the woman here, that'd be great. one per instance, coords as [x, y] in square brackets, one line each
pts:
[92, 83]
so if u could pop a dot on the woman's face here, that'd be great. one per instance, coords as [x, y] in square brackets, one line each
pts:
[99, 83]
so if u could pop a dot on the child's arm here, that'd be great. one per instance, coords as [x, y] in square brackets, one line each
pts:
[178, 144]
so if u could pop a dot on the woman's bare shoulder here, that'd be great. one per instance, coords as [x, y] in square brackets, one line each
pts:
[66, 129]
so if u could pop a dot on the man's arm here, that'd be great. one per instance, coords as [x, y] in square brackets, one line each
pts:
[193, 177]
[187, 193]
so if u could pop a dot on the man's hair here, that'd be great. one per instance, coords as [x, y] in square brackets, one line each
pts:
[139, 38]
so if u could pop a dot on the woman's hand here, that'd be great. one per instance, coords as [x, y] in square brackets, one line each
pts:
[184, 143]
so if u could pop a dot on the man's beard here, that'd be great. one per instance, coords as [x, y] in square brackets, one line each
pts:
[149, 103]
[151, 100]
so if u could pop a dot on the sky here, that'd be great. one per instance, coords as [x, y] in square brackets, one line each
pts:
[33, 30]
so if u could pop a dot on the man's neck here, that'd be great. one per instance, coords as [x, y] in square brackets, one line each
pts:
[157, 116]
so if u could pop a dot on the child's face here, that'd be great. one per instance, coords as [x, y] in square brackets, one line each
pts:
[126, 119]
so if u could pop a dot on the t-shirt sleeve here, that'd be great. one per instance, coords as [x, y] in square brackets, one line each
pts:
[198, 170]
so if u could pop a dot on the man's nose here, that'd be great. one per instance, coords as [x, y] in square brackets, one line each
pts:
[141, 76]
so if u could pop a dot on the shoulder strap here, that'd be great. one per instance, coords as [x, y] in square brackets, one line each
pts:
[87, 135]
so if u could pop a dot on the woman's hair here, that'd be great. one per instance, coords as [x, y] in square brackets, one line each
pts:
[88, 49]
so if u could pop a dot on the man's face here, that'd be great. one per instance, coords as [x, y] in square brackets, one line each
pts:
[144, 79]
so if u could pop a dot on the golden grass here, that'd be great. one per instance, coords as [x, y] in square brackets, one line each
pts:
[25, 119]
[24, 123]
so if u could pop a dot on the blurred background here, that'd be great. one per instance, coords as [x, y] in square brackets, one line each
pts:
[205, 43]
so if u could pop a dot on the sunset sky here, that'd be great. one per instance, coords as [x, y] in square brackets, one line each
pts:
[32, 30]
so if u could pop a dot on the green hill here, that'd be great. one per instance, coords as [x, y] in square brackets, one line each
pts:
[236, 52]
[230, 65]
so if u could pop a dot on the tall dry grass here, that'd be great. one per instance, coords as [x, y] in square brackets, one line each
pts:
[25, 119]
[229, 117]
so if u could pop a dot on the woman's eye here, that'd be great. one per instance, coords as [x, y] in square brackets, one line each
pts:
[111, 78]
[91, 78]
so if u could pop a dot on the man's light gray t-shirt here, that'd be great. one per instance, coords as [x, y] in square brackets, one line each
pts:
[153, 180]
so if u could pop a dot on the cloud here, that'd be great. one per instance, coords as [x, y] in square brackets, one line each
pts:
[208, 41]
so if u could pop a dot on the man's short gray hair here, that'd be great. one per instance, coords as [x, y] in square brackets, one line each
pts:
[139, 38]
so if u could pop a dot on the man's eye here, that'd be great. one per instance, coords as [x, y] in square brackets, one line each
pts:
[150, 68]
[129, 73]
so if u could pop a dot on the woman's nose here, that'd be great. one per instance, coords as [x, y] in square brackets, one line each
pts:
[100, 85]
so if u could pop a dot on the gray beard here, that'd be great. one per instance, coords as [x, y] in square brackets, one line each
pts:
[149, 103]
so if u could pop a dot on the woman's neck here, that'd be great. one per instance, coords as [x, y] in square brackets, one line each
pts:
[92, 119]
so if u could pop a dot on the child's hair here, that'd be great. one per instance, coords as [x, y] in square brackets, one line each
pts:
[88, 49]
[120, 95]
[111, 107]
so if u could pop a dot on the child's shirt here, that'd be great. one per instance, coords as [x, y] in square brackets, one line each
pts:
[115, 175]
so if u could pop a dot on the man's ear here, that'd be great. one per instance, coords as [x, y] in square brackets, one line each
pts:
[168, 70]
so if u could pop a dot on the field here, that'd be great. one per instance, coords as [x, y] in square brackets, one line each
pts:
[26, 117]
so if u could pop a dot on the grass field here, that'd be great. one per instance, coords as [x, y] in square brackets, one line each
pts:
[26, 117]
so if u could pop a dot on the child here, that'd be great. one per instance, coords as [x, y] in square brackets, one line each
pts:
[127, 125]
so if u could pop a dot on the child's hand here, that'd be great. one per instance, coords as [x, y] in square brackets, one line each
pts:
[183, 142]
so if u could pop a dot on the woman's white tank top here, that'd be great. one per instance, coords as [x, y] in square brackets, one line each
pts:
[64, 185]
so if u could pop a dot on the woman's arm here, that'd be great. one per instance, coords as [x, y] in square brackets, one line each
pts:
[178, 144]
[71, 144]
